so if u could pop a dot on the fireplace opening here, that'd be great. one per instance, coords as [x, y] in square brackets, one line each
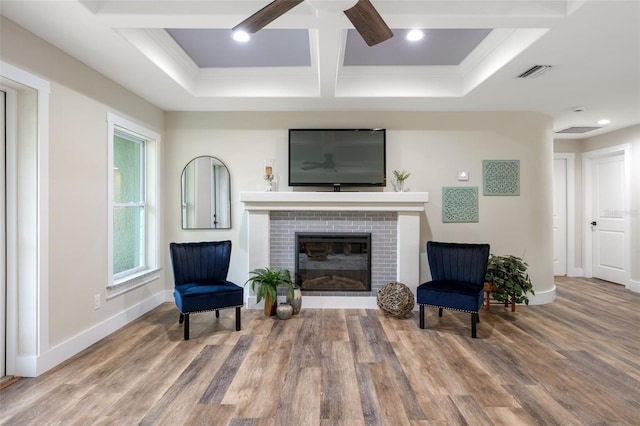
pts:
[333, 261]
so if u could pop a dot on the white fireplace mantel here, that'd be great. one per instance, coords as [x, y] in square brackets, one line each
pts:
[409, 207]
[335, 201]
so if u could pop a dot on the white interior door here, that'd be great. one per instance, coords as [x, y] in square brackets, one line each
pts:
[608, 224]
[560, 216]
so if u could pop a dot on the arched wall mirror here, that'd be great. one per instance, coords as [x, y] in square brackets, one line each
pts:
[206, 194]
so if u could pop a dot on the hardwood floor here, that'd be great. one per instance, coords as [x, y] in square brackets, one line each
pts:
[575, 361]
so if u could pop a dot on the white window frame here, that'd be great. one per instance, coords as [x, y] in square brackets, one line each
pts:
[125, 134]
[128, 280]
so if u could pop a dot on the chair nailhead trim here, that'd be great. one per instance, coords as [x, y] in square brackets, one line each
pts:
[451, 309]
[211, 310]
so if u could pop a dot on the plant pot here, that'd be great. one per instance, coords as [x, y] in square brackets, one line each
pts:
[270, 306]
[284, 311]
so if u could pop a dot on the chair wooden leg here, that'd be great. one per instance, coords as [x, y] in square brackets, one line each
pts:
[217, 313]
[488, 302]
[238, 319]
[421, 316]
[478, 317]
[439, 312]
[186, 326]
[181, 319]
[474, 317]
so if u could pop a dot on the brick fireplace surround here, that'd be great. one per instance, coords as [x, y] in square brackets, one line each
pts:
[407, 210]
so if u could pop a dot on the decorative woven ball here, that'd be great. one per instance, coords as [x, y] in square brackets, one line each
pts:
[395, 299]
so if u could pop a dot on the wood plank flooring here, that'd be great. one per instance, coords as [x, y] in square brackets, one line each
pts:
[575, 361]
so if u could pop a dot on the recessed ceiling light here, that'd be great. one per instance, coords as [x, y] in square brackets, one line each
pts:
[604, 121]
[241, 36]
[415, 35]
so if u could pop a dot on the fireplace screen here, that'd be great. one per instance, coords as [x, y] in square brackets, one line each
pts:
[333, 261]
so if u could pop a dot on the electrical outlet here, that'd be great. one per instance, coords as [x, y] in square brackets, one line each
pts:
[96, 302]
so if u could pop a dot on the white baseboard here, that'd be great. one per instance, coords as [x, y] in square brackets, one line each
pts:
[34, 366]
[26, 366]
[575, 272]
[634, 285]
[543, 297]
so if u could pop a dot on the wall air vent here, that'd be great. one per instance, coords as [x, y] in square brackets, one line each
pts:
[578, 129]
[534, 71]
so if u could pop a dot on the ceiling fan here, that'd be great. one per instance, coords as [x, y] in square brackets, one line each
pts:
[364, 17]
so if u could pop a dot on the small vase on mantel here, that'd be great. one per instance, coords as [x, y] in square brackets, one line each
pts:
[401, 176]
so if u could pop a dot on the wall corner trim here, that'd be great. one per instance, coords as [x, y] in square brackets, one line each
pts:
[543, 297]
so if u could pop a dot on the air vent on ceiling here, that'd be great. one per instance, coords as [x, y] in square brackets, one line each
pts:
[534, 71]
[578, 129]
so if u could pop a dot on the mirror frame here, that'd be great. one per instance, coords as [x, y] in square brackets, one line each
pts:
[222, 197]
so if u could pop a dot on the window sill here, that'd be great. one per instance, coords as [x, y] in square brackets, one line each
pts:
[131, 282]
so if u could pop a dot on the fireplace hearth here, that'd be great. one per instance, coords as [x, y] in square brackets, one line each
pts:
[329, 261]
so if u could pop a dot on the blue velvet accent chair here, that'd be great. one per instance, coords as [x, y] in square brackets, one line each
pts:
[457, 279]
[200, 280]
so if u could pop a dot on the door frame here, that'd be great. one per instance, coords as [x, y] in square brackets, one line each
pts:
[28, 294]
[570, 159]
[588, 158]
[11, 241]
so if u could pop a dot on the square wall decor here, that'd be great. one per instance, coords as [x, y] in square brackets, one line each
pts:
[460, 204]
[501, 177]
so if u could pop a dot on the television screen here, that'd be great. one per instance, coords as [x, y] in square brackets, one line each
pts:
[337, 157]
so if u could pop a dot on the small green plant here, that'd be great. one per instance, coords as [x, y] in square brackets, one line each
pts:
[401, 176]
[266, 281]
[509, 275]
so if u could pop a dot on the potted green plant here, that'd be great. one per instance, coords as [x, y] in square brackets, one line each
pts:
[401, 176]
[509, 279]
[264, 283]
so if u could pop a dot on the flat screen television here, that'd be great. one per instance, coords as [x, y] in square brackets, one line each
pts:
[337, 157]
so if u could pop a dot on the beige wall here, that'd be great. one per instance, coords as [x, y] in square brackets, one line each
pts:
[433, 146]
[79, 101]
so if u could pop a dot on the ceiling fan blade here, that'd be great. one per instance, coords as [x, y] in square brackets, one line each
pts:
[266, 15]
[368, 22]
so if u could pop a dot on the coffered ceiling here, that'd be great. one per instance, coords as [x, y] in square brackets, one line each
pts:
[180, 55]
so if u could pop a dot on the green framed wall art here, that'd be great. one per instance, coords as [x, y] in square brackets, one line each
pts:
[501, 177]
[459, 204]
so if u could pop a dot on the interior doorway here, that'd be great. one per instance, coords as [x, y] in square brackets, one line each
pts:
[560, 216]
[607, 181]
[564, 225]
[26, 112]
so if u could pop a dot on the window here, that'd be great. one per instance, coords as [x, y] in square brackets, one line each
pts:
[129, 218]
[133, 218]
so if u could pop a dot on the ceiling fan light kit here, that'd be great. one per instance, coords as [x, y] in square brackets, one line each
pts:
[364, 17]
